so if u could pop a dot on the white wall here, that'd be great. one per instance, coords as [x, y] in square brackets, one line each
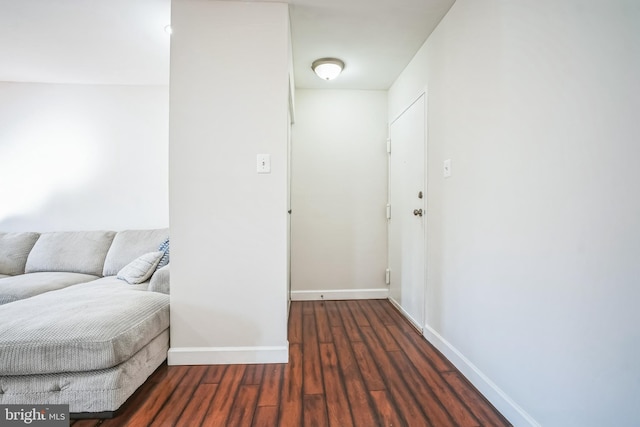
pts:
[229, 102]
[533, 242]
[83, 156]
[339, 194]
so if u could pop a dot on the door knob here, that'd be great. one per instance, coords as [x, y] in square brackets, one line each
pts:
[417, 212]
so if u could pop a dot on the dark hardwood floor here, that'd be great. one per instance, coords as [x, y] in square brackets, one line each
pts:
[352, 363]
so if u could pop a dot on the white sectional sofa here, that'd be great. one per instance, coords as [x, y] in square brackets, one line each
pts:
[84, 316]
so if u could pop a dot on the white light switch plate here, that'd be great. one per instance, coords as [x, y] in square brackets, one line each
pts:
[264, 163]
[447, 168]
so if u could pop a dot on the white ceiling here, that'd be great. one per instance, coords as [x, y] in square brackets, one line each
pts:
[123, 41]
[375, 38]
[84, 41]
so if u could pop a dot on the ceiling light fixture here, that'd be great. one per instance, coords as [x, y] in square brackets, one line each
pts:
[327, 68]
[168, 29]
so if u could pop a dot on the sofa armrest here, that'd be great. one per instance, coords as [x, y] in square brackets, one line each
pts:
[160, 280]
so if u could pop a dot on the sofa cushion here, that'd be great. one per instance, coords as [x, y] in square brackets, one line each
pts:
[129, 245]
[14, 250]
[141, 268]
[72, 251]
[27, 285]
[85, 327]
[160, 281]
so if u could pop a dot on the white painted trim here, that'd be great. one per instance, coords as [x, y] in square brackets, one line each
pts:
[227, 355]
[339, 294]
[503, 403]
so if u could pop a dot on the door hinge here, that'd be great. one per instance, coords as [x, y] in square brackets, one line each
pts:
[389, 145]
[388, 211]
[387, 276]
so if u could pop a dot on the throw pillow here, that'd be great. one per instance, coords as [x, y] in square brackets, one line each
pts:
[141, 268]
[164, 247]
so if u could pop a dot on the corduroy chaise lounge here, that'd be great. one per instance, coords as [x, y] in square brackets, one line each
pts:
[84, 316]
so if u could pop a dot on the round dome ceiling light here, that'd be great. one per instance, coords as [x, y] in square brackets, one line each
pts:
[327, 68]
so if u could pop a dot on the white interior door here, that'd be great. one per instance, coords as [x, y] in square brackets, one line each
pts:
[407, 195]
[289, 211]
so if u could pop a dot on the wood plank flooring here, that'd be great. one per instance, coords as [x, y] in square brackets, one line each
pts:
[351, 363]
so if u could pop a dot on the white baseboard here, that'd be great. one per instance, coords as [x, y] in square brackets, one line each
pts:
[503, 403]
[227, 355]
[340, 294]
[406, 315]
